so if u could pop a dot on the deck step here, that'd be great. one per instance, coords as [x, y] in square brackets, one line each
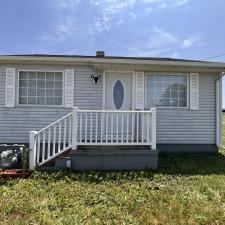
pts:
[114, 159]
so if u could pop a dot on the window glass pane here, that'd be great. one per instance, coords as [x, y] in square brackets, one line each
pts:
[183, 102]
[166, 102]
[158, 94]
[158, 79]
[41, 83]
[174, 102]
[23, 92]
[158, 87]
[174, 94]
[31, 100]
[166, 86]
[49, 83]
[23, 83]
[41, 100]
[49, 92]
[182, 79]
[23, 75]
[166, 79]
[58, 84]
[50, 101]
[32, 83]
[174, 87]
[173, 78]
[22, 100]
[183, 95]
[158, 102]
[41, 75]
[166, 94]
[58, 92]
[58, 76]
[58, 101]
[32, 75]
[50, 76]
[32, 92]
[40, 92]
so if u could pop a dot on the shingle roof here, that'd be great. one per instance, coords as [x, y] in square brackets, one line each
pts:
[111, 57]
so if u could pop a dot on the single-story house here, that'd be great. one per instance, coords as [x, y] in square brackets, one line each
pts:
[109, 112]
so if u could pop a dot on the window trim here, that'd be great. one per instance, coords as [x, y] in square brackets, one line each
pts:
[42, 70]
[165, 73]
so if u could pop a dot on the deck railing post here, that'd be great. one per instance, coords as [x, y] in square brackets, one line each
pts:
[153, 123]
[32, 150]
[74, 128]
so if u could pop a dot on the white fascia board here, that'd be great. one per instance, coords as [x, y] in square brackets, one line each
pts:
[109, 60]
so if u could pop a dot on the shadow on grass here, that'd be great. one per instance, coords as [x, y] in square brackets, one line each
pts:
[169, 164]
[192, 163]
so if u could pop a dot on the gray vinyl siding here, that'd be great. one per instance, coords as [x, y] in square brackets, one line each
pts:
[174, 126]
[184, 126]
[16, 122]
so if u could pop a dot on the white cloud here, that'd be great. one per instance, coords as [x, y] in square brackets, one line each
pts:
[193, 41]
[105, 15]
[175, 55]
[158, 42]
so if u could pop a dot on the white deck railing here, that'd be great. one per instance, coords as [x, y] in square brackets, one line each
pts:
[92, 127]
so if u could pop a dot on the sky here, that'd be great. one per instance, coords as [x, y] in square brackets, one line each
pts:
[187, 29]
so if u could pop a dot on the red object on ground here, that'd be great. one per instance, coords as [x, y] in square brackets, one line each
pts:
[15, 173]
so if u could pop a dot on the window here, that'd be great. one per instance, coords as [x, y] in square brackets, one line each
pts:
[165, 90]
[40, 88]
[118, 94]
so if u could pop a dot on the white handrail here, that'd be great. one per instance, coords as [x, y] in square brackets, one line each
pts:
[50, 141]
[57, 121]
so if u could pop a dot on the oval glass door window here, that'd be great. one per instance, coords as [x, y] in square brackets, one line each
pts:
[118, 94]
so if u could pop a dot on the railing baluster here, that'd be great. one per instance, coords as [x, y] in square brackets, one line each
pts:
[142, 127]
[147, 125]
[43, 146]
[81, 125]
[64, 134]
[127, 127]
[85, 129]
[106, 128]
[91, 127]
[54, 139]
[122, 127]
[38, 148]
[137, 127]
[96, 128]
[49, 141]
[59, 137]
[132, 128]
[117, 127]
[112, 127]
[70, 130]
[101, 117]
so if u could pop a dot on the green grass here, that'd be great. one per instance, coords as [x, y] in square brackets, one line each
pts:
[187, 189]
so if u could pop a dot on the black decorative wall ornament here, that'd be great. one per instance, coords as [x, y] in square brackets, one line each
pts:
[95, 78]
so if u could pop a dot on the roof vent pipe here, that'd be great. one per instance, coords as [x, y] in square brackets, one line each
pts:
[100, 54]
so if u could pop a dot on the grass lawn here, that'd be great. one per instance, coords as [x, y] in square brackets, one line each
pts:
[187, 189]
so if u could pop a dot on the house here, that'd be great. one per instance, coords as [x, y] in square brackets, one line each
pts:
[109, 112]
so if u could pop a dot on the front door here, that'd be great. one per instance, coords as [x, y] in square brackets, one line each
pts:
[118, 91]
[118, 97]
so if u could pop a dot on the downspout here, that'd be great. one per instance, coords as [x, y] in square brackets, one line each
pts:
[219, 110]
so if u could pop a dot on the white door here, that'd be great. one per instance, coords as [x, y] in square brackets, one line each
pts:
[118, 97]
[118, 91]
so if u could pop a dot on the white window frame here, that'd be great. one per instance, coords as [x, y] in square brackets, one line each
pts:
[35, 105]
[169, 74]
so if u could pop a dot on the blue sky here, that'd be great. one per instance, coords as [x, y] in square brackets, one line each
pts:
[190, 29]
